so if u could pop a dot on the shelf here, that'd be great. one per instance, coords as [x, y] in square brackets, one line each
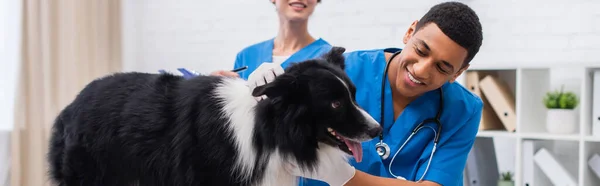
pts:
[529, 84]
[547, 136]
[532, 87]
[592, 138]
[493, 133]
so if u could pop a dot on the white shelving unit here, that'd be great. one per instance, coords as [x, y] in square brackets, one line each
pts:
[529, 84]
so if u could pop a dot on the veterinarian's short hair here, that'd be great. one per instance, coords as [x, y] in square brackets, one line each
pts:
[459, 22]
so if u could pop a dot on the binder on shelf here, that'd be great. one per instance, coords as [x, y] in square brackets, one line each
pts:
[471, 176]
[489, 119]
[553, 170]
[501, 100]
[465, 178]
[528, 163]
[596, 103]
[594, 164]
[482, 168]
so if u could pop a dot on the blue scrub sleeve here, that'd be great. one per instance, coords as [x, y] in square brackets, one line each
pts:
[449, 160]
[238, 61]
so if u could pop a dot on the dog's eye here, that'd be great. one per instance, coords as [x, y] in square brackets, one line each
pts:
[335, 104]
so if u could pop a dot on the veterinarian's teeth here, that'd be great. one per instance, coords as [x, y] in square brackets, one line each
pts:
[299, 5]
[412, 78]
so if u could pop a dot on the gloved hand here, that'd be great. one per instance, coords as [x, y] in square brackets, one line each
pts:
[265, 73]
[334, 171]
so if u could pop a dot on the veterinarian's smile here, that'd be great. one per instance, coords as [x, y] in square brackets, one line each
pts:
[298, 6]
[348, 145]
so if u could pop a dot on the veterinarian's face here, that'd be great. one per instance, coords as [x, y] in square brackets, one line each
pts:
[295, 10]
[429, 60]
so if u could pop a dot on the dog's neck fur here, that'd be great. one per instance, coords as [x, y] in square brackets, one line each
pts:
[273, 152]
[315, 155]
[258, 158]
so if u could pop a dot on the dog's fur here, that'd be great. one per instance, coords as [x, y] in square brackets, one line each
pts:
[162, 130]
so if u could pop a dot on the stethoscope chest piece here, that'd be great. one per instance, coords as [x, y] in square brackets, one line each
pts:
[383, 150]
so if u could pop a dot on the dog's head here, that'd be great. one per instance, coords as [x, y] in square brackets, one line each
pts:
[314, 102]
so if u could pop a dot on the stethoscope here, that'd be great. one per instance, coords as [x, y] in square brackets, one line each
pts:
[384, 150]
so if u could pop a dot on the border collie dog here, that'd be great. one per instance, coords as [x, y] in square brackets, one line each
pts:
[163, 130]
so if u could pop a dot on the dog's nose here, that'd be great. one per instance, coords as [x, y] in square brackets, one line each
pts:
[374, 132]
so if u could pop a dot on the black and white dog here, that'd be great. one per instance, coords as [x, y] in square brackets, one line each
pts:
[162, 130]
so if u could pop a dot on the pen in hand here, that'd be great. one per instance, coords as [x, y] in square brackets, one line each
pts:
[187, 74]
[240, 69]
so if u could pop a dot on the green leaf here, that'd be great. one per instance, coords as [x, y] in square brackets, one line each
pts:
[560, 100]
[507, 176]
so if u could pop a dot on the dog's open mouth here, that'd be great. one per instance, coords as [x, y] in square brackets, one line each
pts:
[347, 145]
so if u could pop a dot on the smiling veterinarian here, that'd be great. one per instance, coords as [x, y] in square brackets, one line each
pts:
[293, 42]
[439, 47]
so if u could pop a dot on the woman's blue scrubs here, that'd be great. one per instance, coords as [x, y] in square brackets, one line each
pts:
[254, 55]
[460, 122]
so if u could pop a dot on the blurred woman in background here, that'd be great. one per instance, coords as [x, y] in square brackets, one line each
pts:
[293, 42]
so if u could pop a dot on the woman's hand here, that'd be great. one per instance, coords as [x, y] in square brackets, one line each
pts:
[224, 73]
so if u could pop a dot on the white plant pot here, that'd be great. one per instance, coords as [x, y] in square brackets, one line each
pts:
[562, 121]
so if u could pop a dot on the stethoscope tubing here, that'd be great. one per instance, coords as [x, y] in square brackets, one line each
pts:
[384, 150]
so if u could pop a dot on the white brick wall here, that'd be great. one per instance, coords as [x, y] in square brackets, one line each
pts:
[206, 35]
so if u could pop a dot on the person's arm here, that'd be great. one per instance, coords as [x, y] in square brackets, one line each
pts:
[238, 61]
[447, 164]
[361, 178]
[236, 64]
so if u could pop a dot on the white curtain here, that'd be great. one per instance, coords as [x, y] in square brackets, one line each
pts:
[65, 45]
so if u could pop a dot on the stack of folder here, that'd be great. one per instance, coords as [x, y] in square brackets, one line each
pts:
[499, 102]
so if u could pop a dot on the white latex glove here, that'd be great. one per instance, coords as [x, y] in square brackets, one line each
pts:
[265, 73]
[334, 171]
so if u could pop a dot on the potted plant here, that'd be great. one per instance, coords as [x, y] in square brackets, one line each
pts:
[562, 117]
[506, 179]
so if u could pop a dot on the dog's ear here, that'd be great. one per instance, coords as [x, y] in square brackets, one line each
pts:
[284, 84]
[336, 56]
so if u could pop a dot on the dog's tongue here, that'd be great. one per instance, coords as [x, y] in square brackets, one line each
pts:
[356, 149]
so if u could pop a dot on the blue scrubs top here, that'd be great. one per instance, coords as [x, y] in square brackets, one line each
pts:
[460, 122]
[256, 54]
